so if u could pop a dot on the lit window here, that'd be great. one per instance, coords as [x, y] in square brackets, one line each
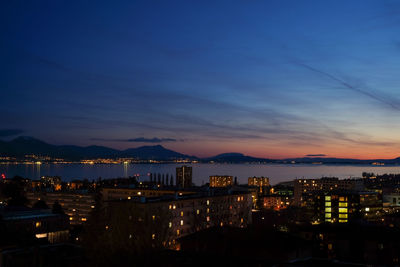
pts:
[208, 210]
[208, 218]
[342, 204]
[328, 215]
[106, 227]
[170, 224]
[170, 207]
[328, 204]
[181, 213]
[366, 209]
[92, 207]
[328, 209]
[343, 221]
[38, 224]
[174, 206]
[154, 217]
[153, 236]
[129, 197]
[198, 211]
[342, 199]
[139, 193]
[208, 202]
[342, 210]
[181, 222]
[73, 209]
[41, 235]
[327, 198]
[70, 218]
[177, 232]
[343, 216]
[83, 219]
[241, 220]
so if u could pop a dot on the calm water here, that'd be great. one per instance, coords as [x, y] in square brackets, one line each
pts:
[201, 172]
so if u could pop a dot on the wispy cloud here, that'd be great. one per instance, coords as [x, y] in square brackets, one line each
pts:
[10, 132]
[140, 140]
[392, 104]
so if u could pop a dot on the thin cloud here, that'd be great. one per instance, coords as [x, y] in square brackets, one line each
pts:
[395, 106]
[10, 132]
[140, 140]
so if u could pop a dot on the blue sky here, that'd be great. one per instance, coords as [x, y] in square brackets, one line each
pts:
[266, 78]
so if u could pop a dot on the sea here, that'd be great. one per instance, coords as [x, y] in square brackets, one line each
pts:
[201, 172]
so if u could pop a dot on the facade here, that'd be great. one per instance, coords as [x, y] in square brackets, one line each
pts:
[275, 202]
[76, 205]
[308, 186]
[164, 219]
[35, 224]
[184, 177]
[114, 193]
[258, 181]
[221, 181]
[343, 206]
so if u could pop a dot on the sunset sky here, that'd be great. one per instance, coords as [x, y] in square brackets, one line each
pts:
[271, 79]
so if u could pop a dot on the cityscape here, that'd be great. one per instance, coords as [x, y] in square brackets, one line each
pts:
[199, 133]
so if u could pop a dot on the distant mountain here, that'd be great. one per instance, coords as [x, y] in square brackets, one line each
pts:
[25, 145]
[235, 158]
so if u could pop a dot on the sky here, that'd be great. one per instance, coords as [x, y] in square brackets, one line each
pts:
[273, 79]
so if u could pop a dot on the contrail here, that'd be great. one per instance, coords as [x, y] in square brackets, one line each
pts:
[349, 86]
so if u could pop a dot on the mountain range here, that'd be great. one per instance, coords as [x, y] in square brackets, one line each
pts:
[24, 145]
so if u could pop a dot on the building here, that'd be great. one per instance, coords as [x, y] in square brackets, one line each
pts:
[29, 224]
[115, 193]
[162, 220]
[184, 177]
[275, 202]
[308, 186]
[258, 181]
[76, 205]
[344, 206]
[221, 181]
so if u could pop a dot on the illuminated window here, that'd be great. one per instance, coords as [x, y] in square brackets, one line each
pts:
[238, 199]
[37, 224]
[174, 207]
[139, 193]
[327, 198]
[342, 199]
[208, 218]
[41, 235]
[342, 210]
[178, 232]
[343, 216]
[154, 217]
[129, 197]
[181, 213]
[343, 221]
[342, 204]
[241, 220]
[170, 224]
[92, 207]
[198, 211]
[106, 227]
[181, 222]
[208, 210]
[83, 219]
[208, 202]
[328, 215]
[328, 209]
[328, 204]
[170, 207]
[366, 209]
[153, 236]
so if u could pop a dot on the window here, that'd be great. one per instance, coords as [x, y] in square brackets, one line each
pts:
[342, 204]
[328, 209]
[38, 224]
[328, 204]
[327, 198]
[328, 215]
[177, 232]
[342, 210]
[181, 213]
[198, 211]
[343, 216]
[208, 202]
[208, 218]
[153, 236]
[181, 222]
[170, 224]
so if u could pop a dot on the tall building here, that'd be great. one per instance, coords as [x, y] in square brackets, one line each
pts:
[221, 181]
[309, 186]
[184, 177]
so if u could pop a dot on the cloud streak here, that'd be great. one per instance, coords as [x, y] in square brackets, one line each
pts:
[140, 140]
[10, 132]
[395, 106]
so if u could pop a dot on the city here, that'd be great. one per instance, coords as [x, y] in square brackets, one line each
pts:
[199, 133]
[100, 222]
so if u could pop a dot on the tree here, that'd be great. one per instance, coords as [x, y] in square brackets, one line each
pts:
[57, 209]
[40, 204]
